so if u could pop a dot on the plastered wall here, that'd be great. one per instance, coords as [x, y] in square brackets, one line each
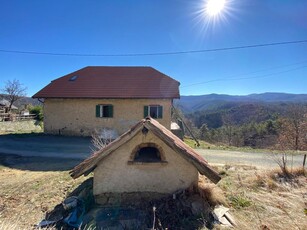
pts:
[116, 175]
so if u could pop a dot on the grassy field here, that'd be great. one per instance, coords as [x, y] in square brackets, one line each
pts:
[257, 199]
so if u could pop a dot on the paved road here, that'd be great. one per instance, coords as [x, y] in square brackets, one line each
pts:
[78, 148]
[45, 145]
[258, 159]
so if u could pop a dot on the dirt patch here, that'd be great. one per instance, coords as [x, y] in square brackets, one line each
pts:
[186, 209]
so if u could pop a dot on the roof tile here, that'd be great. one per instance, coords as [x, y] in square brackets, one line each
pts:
[112, 82]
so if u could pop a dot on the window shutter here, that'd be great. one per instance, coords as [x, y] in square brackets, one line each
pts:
[110, 110]
[160, 111]
[145, 111]
[97, 110]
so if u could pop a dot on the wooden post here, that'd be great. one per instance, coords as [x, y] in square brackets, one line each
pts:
[187, 127]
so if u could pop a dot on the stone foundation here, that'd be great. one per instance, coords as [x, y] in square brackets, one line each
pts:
[122, 199]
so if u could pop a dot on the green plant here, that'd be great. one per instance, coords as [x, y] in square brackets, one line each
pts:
[38, 111]
[239, 201]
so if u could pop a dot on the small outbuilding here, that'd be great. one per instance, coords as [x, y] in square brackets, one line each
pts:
[146, 162]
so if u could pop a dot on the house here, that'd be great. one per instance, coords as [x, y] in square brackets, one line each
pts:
[99, 97]
[146, 162]
[5, 104]
[4, 110]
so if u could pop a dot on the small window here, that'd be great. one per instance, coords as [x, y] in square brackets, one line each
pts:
[147, 154]
[154, 111]
[104, 110]
[73, 78]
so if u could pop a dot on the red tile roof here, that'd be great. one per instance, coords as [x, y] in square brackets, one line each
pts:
[112, 82]
[89, 164]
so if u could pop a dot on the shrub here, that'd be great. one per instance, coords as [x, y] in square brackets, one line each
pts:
[38, 111]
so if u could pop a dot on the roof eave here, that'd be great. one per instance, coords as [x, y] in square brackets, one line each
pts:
[61, 97]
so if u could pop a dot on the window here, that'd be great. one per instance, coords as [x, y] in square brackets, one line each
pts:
[104, 110]
[73, 78]
[154, 111]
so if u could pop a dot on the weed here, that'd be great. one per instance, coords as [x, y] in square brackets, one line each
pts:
[225, 184]
[223, 173]
[280, 175]
[36, 185]
[260, 180]
[239, 201]
[271, 184]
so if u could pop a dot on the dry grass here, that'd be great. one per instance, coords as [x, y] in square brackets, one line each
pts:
[211, 192]
[25, 196]
[260, 200]
[257, 199]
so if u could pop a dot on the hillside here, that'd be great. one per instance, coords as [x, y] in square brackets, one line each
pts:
[189, 104]
[255, 120]
[23, 101]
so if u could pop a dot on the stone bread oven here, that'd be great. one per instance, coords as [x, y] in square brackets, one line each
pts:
[146, 162]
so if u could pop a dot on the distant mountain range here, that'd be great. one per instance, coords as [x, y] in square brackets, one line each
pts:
[23, 101]
[189, 104]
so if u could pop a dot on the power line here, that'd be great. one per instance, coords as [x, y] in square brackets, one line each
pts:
[154, 54]
[245, 78]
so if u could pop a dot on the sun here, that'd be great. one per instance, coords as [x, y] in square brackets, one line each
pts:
[214, 7]
[210, 15]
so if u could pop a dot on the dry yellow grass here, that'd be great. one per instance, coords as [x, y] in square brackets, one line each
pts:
[25, 196]
[211, 192]
[274, 204]
[255, 198]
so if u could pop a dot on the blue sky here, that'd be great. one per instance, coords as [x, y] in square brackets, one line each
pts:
[158, 26]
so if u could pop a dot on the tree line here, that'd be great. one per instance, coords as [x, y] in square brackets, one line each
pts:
[258, 126]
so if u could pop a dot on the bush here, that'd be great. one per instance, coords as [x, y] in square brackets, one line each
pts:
[38, 111]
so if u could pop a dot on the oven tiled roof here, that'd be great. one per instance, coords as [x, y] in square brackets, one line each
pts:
[112, 82]
[89, 164]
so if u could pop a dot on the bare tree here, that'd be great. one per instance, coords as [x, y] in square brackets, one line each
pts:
[101, 138]
[292, 135]
[228, 127]
[293, 130]
[14, 90]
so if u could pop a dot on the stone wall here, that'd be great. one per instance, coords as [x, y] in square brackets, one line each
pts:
[78, 116]
[20, 126]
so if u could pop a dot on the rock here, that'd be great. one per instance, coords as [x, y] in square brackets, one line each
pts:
[222, 216]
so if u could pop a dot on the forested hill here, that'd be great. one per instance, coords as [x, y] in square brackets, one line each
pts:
[189, 104]
[256, 120]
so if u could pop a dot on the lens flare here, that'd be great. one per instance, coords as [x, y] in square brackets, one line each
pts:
[210, 15]
[214, 7]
